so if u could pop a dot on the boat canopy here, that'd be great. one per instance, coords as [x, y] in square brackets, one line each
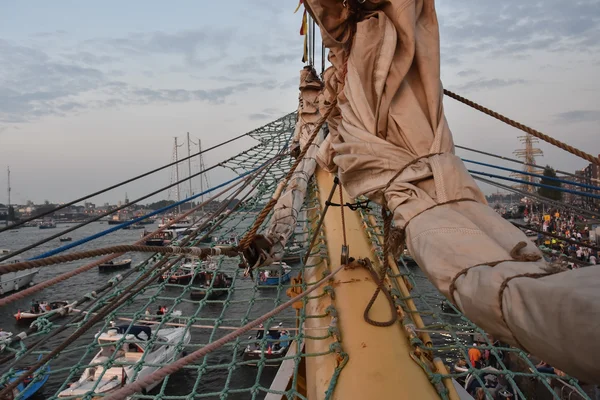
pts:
[391, 142]
[134, 330]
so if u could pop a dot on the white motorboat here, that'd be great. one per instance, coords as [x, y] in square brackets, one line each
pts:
[97, 380]
[13, 281]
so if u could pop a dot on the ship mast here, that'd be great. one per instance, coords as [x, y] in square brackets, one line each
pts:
[8, 206]
[177, 176]
[189, 164]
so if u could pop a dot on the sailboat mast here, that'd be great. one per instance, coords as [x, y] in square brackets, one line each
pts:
[8, 207]
[177, 175]
[201, 169]
[189, 163]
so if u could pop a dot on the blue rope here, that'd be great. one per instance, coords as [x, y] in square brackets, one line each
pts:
[532, 174]
[536, 184]
[136, 220]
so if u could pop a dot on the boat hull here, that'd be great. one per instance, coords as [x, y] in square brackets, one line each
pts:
[275, 281]
[14, 281]
[113, 267]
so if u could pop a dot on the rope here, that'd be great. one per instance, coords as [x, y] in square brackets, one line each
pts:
[518, 161]
[558, 188]
[538, 197]
[533, 132]
[100, 216]
[79, 200]
[44, 262]
[43, 285]
[245, 242]
[321, 220]
[343, 219]
[159, 375]
[550, 178]
[387, 224]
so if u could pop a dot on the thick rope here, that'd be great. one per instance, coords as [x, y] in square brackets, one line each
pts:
[125, 248]
[163, 372]
[247, 239]
[387, 224]
[533, 132]
[63, 277]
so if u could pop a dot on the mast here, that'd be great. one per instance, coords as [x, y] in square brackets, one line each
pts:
[189, 164]
[201, 165]
[177, 176]
[8, 207]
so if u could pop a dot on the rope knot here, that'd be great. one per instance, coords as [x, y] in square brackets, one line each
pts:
[515, 253]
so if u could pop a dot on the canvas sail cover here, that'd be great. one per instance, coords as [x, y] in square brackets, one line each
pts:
[392, 143]
[271, 247]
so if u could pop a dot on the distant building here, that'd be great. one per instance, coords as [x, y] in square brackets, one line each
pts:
[591, 176]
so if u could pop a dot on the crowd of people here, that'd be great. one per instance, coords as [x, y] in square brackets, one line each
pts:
[566, 225]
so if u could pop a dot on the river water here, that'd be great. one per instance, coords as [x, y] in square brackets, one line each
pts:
[245, 302]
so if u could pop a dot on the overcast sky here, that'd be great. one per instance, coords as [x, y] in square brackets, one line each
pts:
[94, 92]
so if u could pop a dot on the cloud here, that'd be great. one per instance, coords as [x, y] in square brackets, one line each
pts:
[514, 27]
[197, 47]
[488, 84]
[579, 116]
[266, 114]
[85, 57]
[467, 72]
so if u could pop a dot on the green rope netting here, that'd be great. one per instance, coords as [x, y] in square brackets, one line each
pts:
[224, 374]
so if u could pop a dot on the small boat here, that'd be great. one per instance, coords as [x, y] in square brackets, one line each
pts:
[42, 308]
[137, 225]
[112, 266]
[32, 384]
[274, 274]
[271, 348]
[159, 239]
[47, 224]
[65, 239]
[219, 287]
[141, 358]
[184, 274]
[293, 254]
[13, 281]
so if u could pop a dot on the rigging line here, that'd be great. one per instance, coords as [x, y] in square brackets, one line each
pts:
[321, 220]
[30, 347]
[538, 197]
[196, 251]
[519, 162]
[160, 374]
[532, 174]
[594, 196]
[67, 275]
[96, 218]
[247, 239]
[553, 235]
[127, 294]
[135, 178]
[184, 242]
[533, 132]
[133, 221]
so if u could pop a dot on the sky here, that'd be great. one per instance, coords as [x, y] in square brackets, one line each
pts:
[92, 93]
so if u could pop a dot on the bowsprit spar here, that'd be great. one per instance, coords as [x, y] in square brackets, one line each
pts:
[352, 318]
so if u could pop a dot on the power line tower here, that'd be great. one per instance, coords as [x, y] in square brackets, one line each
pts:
[528, 155]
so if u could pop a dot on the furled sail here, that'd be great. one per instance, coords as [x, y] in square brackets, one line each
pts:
[393, 144]
[271, 247]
